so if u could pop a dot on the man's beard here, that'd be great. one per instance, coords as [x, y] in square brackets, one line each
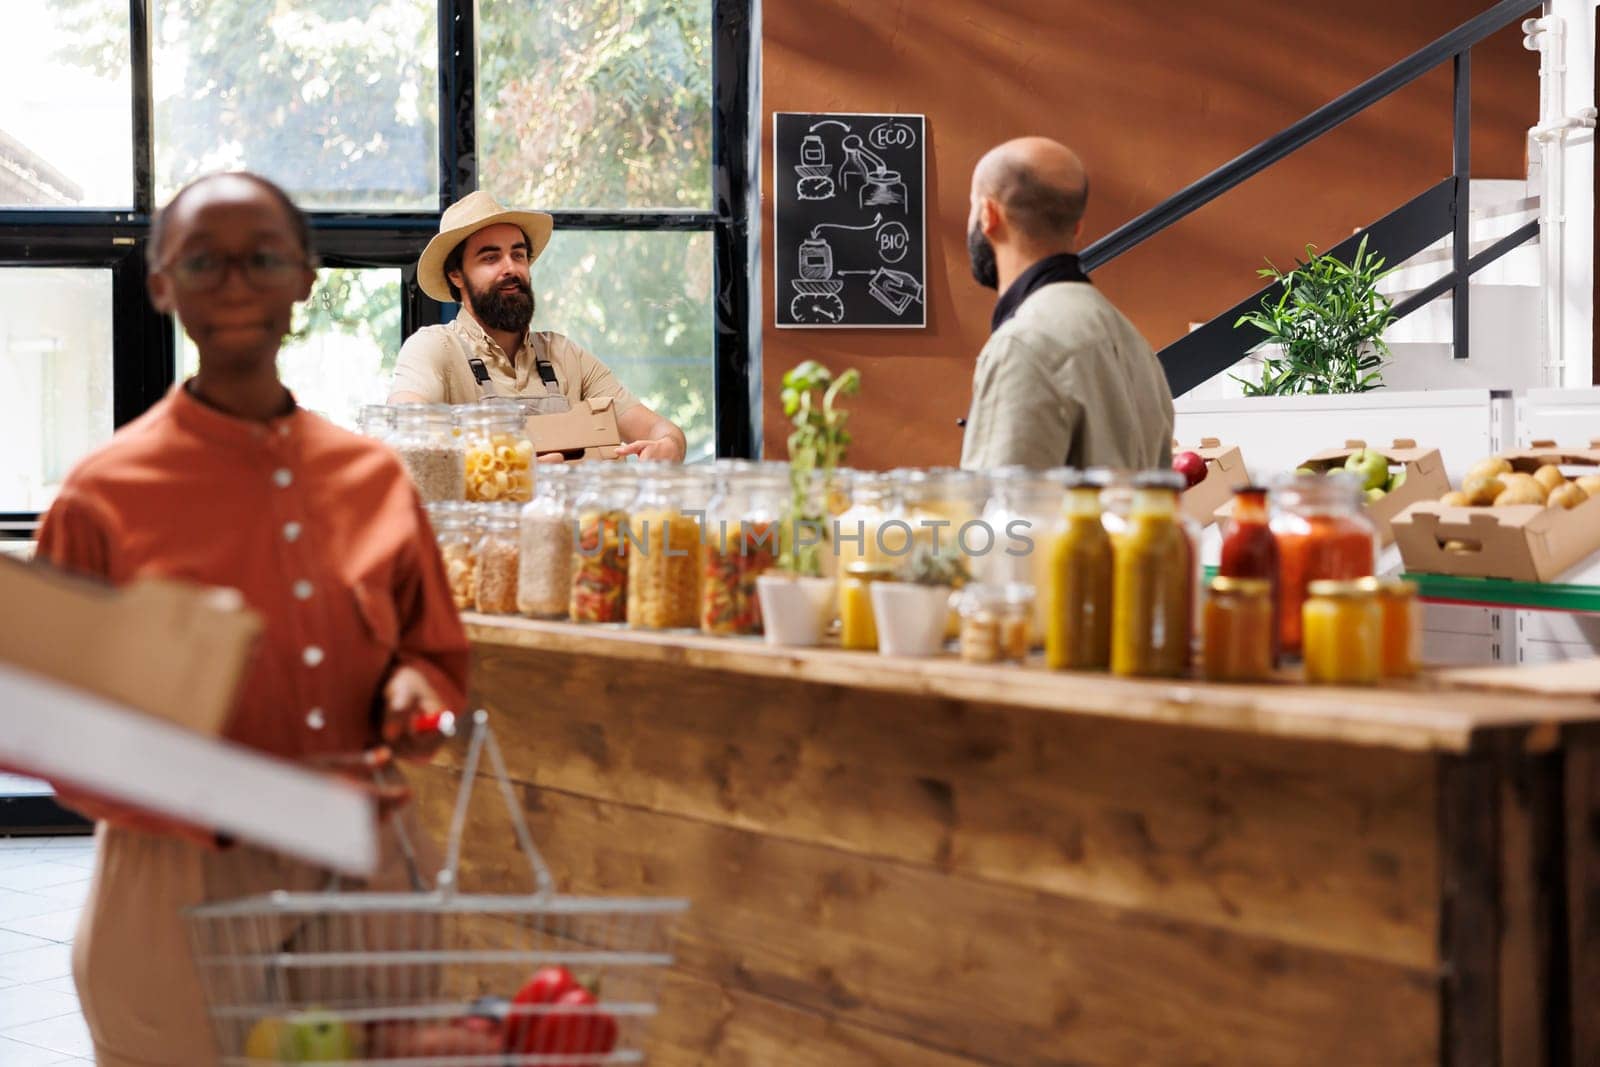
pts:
[980, 253]
[509, 312]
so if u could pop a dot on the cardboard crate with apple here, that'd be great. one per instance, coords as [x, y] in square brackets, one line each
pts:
[1392, 478]
[1526, 515]
[1212, 471]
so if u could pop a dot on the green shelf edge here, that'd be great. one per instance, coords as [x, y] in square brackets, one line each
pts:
[1499, 592]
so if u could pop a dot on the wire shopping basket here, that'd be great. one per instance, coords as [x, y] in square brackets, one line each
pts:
[435, 978]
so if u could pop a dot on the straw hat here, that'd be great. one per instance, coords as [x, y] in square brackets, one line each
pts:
[464, 218]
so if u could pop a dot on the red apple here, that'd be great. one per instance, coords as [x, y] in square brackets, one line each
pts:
[1191, 466]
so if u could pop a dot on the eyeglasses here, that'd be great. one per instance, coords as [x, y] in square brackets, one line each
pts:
[261, 270]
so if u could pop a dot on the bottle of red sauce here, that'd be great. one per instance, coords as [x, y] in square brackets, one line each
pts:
[1323, 533]
[1249, 548]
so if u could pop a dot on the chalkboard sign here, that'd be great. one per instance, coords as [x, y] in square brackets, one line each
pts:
[849, 229]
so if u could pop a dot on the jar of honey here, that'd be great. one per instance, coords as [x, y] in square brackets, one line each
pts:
[1343, 627]
[1240, 630]
[1402, 627]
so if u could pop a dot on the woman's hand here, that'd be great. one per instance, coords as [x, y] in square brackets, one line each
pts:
[409, 702]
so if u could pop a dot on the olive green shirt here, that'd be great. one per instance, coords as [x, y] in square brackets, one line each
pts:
[1067, 380]
[433, 364]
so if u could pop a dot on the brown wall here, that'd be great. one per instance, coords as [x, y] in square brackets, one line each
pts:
[1153, 94]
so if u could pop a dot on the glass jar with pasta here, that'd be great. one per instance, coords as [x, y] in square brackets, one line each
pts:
[663, 545]
[741, 544]
[499, 458]
[599, 564]
[453, 533]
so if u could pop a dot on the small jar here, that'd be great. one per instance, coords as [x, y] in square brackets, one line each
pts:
[994, 622]
[858, 626]
[432, 457]
[1343, 626]
[1402, 628]
[544, 572]
[452, 531]
[599, 564]
[663, 545]
[1323, 534]
[741, 544]
[495, 567]
[376, 421]
[499, 456]
[1240, 630]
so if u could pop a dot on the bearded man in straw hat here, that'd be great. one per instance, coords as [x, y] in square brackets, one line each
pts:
[481, 259]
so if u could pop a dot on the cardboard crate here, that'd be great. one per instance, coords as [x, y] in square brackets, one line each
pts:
[1225, 472]
[1524, 543]
[1425, 479]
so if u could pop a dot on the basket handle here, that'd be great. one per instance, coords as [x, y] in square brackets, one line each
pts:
[482, 738]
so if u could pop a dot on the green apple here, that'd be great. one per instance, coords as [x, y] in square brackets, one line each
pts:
[1305, 471]
[1375, 494]
[1397, 481]
[319, 1037]
[1370, 467]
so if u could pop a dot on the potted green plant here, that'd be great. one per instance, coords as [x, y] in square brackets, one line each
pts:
[796, 599]
[910, 613]
[1325, 327]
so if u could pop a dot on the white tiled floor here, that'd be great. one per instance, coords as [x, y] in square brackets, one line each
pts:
[43, 882]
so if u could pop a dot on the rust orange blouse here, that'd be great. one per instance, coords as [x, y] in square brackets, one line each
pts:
[318, 528]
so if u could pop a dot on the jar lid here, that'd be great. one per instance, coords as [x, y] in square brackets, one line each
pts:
[1159, 479]
[1397, 587]
[870, 572]
[1241, 586]
[1358, 587]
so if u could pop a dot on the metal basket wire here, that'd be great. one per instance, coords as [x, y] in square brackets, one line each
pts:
[420, 978]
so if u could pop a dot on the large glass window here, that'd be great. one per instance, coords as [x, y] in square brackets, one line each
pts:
[335, 101]
[66, 129]
[604, 104]
[55, 361]
[342, 351]
[642, 303]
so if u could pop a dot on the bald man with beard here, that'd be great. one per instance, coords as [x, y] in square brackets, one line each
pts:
[1065, 378]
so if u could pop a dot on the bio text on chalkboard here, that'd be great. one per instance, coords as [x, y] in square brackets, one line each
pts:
[849, 221]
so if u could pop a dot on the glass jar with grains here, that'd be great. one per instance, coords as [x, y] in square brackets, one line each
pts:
[432, 455]
[544, 574]
[495, 570]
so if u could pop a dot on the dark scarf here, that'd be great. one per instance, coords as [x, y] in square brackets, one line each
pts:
[1062, 267]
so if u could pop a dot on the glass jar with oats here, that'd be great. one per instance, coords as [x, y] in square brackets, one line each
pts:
[496, 563]
[431, 454]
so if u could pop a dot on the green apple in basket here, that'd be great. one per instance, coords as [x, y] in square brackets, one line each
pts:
[1371, 467]
[319, 1037]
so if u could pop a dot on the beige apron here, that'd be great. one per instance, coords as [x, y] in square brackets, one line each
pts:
[139, 992]
[551, 402]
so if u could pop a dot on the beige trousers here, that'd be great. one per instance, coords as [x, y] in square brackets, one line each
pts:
[139, 991]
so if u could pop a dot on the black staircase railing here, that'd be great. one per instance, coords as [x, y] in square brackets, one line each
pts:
[1443, 210]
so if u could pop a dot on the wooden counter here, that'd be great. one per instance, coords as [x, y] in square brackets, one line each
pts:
[934, 863]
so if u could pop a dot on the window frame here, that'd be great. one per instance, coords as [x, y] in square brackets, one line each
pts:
[143, 346]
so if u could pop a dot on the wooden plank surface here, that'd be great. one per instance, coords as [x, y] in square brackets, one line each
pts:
[1325, 845]
[1583, 899]
[980, 971]
[1420, 717]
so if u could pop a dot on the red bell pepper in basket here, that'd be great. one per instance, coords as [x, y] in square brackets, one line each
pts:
[579, 1029]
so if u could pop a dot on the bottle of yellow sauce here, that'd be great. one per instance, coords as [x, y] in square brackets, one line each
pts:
[1152, 613]
[1078, 595]
[858, 628]
[1343, 632]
